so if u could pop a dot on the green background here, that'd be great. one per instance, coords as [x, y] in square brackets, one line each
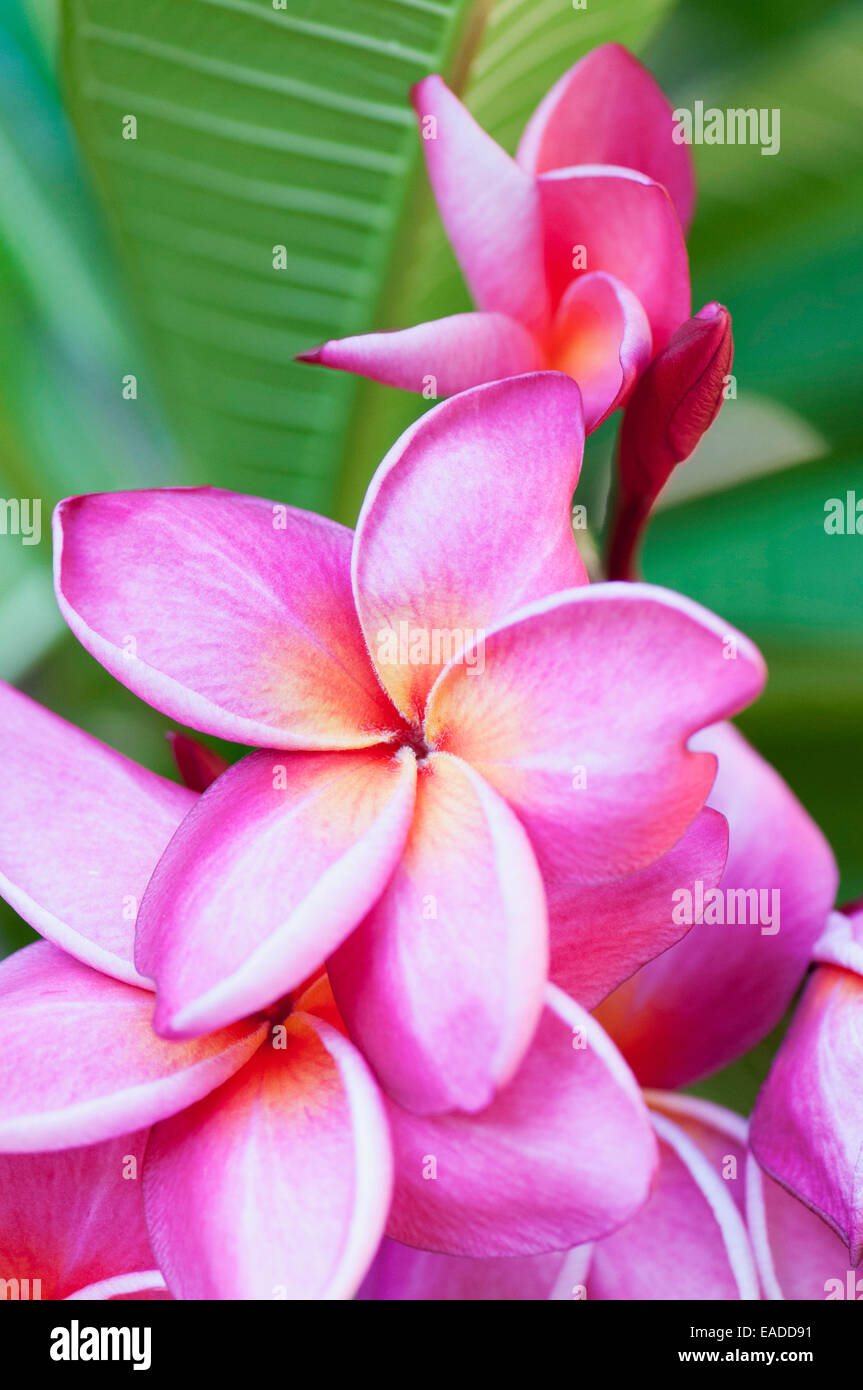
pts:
[259, 128]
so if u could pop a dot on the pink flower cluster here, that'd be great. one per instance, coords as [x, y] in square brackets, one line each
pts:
[397, 1005]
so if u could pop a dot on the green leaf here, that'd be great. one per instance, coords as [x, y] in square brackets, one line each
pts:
[525, 48]
[760, 556]
[63, 341]
[260, 127]
[777, 238]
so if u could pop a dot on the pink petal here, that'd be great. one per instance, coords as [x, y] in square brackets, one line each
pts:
[602, 933]
[227, 613]
[488, 206]
[674, 404]
[79, 1061]
[198, 765]
[425, 568]
[842, 941]
[688, 1242]
[442, 985]
[402, 1274]
[439, 358]
[672, 1021]
[798, 1256]
[144, 1285]
[607, 109]
[601, 338]
[279, 860]
[81, 828]
[581, 717]
[807, 1125]
[75, 1218]
[628, 227]
[722, 1136]
[564, 1154]
[277, 1185]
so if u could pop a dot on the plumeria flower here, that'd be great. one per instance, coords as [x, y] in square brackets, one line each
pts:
[573, 251]
[453, 727]
[689, 1240]
[269, 1163]
[807, 1126]
[712, 1228]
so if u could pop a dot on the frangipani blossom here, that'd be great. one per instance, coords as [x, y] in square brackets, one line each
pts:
[807, 1126]
[405, 814]
[267, 1170]
[573, 252]
[689, 1240]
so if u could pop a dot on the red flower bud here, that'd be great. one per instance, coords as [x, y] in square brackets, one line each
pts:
[674, 403]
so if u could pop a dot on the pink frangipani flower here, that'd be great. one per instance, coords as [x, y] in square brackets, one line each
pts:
[807, 1126]
[573, 252]
[270, 1164]
[410, 811]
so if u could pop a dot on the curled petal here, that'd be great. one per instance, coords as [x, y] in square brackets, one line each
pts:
[672, 1020]
[601, 338]
[79, 1061]
[81, 829]
[159, 586]
[279, 860]
[442, 984]
[602, 933]
[488, 205]
[807, 1125]
[613, 219]
[439, 358]
[278, 1185]
[563, 1155]
[607, 109]
[581, 716]
[511, 453]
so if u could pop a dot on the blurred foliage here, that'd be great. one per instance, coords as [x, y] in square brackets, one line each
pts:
[259, 128]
